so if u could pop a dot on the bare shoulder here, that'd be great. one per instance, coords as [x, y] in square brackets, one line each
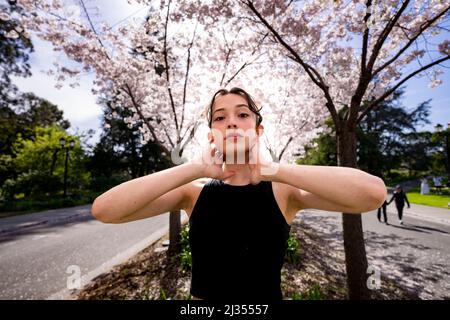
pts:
[200, 182]
[193, 190]
[283, 195]
[284, 190]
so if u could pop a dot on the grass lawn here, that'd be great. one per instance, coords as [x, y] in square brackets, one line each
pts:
[432, 199]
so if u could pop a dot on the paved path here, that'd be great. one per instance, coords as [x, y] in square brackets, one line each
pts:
[37, 250]
[35, 262]
[415, 254]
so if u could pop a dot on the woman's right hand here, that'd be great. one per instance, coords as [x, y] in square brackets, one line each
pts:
[212, 161]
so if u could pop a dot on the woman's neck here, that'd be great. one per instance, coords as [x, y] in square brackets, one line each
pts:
[242, 173]
[242, 170]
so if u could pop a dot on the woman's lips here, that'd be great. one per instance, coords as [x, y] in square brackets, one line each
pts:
[233, 136]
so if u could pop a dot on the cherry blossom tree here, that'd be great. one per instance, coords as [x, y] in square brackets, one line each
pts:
[345, 57]
[357, 53]
[292, 117]
[163, 69]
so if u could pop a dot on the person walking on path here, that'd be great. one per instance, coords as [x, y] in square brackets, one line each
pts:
[400, 198]
[383, 207]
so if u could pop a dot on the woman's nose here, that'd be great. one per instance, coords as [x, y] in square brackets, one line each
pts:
[231, 126]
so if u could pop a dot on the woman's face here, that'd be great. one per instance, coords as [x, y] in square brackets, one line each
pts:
[233, 126]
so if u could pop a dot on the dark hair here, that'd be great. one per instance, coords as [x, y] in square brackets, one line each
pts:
[251, 103]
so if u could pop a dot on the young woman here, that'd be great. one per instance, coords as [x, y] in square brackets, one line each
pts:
[240, 206]
[400, 198]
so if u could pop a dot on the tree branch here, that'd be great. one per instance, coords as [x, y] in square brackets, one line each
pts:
[312, 73]
[191, 136]
[93, 28]
[390, 91]
[383, 36]
[425, 26]
[365, 37]
[172, 103]
[145, 120]
[285, 147]
[187, 77]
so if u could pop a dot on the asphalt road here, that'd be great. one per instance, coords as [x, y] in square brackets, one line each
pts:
[40, 263]
[415, 254]
[47, 261]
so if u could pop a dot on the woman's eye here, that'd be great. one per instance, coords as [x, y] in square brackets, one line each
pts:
[243, 115]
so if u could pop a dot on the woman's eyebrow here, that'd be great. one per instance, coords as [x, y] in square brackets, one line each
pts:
[236, 106]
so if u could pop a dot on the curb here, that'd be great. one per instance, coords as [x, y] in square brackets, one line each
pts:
[67, 294]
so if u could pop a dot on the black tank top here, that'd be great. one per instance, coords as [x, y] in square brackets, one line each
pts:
[238, 237]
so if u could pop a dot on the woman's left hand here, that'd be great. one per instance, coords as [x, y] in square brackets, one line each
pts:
[261, 169]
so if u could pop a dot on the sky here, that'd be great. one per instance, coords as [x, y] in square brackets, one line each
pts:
[80, 107]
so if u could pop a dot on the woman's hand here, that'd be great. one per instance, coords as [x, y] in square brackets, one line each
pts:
[212, 161]
[261, 169]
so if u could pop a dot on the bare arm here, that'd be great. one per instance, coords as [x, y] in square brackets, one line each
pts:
[391, 199]
[146, 196]
[340, 189]
[160, 192]
[406, 199]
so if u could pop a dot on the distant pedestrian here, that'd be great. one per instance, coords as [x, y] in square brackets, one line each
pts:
[424, 187]
[383, 207]
[400, 198]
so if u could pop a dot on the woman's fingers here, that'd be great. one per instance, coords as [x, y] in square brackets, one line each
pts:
[228, 174]
[212, 150]
[211, 155]
[254, 156]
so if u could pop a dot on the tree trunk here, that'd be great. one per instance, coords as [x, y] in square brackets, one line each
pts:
[355, 251]
[174, 232]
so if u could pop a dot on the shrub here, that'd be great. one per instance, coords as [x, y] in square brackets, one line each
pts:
[102, 183]
[292, 251]
[33, 183]
[185, 256]
[312, 293]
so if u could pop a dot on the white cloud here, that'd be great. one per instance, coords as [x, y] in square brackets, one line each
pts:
[78, 104]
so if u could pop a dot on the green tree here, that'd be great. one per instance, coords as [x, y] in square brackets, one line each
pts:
[40, 163]
[388, 136]
[22, 120]
[14, 54]
[120, 155]
[322, 151]
[441, 158]
[419, 151]
[387, 140]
